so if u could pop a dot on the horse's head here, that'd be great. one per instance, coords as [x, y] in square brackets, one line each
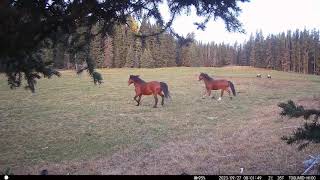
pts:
[132, 79]
[201, 76]
[204, 76]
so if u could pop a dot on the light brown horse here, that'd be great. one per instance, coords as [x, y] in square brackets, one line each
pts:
[212, 84]
[149, 88]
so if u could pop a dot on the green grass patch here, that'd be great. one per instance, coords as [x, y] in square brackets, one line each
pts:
[69, 118]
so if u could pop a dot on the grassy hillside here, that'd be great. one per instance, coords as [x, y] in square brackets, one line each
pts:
[70, 122]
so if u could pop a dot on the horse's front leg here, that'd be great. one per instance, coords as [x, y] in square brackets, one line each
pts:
[138, 101]
[135, 98]
[204, 94]
[222, 90]
[206, 91]
[155, 101]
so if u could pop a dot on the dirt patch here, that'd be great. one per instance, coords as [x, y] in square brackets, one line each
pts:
[312, 102]
[254, 145]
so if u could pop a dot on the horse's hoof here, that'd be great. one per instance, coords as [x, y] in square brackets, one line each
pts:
[230, 98]
[154, 106]
[219, 99]
[137, 105]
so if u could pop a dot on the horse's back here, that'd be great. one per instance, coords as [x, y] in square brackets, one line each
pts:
[151, 87]
[219, 84]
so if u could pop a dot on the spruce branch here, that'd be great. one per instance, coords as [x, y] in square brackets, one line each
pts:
[310, 132]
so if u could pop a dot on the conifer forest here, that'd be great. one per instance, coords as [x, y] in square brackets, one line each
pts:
[291, 51]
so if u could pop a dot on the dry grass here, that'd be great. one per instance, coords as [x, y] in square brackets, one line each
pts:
[71, 126]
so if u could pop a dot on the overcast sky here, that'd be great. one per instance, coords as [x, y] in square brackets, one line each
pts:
[272, 16]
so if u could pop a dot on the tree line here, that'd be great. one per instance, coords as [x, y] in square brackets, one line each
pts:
[295, 51]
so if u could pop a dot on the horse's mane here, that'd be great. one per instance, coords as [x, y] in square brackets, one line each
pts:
[136, 79]
[206, 76]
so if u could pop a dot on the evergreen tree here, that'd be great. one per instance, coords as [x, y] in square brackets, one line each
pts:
[119, 46]
[130, 58]
[58, 55]
[168, 50]
[252, 51]
[258, 50]
[96, 46]
[310, 132]
[34, 22]
[137, 48]
[147, 60]
[268, 54]
[185, 55]
[108, 51]
[284, 51]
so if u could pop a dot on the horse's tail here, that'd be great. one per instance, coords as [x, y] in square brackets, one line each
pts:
[232, 88]
[165, 89]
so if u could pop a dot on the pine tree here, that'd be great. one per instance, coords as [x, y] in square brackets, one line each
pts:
[268, 54]
[137, 48]
[317, 52]
[108, 51]
[96, 46]
[183, 54]
[304, 51]
[289, 49]
[119, 46]
[58, 55]
[252, 51]
[130, 58]
[168, 50]
[194, 55]
[258, 50]
[147, 60]
[284, 51]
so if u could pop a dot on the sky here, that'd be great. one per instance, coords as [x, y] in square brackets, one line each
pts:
[271, 16]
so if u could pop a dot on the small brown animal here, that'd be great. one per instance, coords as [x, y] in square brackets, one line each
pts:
[258, 75]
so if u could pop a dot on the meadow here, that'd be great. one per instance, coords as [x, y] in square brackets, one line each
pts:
[70, 126]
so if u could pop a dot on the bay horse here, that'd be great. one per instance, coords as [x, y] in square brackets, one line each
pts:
[212, 84]
[149, 88]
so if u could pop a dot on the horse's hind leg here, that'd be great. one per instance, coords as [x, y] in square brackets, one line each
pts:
[212, 97]
[155, 101]
[162, 96]
[229, 93]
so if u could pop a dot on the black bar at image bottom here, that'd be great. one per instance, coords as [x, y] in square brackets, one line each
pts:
[175, 177]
